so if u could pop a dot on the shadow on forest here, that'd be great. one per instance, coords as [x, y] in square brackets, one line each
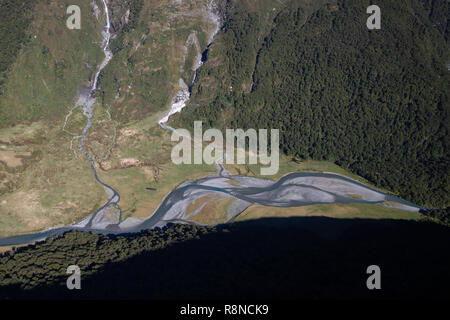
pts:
[280, 258]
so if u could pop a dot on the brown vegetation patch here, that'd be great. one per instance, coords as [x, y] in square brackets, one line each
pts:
[213, 212]
[13, 159]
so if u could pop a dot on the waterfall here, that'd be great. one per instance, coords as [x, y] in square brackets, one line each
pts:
[183, 95]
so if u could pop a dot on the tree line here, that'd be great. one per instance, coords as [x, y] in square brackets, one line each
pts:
[375, 102]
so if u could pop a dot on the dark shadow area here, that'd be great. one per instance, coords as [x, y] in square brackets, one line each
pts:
[290, 258]
[204, 57]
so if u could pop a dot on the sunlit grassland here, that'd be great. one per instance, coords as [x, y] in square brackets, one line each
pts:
[152, 143]
[289, 164]
[344, 211]
[52, 188]
[151, 146]
[213, 212]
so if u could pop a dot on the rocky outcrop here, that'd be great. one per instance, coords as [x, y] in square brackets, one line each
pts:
[120, 11]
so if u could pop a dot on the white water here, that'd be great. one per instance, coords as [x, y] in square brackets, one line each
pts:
[87, 101]
[183, 95]
[105, 45]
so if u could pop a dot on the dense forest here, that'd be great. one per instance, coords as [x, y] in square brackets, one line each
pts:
[291, 258]
[374, 101]
[43, 263]
[440, 215]
[14, 21]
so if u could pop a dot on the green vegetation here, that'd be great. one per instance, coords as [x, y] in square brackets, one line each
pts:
[51, 186]
[374, 102]
[338, 211]
[46, 73]
[143, 75]
[390, 132]
[90, 252]
[441, 215]
[14, 21]
[43, 182]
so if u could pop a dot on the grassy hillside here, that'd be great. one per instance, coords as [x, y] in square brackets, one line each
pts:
[46, 74]
[14, 20]
[375, 102]
[151, 54]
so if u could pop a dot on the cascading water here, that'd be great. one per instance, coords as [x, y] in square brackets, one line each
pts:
[183, 95]
[87, 102]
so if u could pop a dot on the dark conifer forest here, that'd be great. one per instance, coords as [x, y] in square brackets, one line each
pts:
[373, 101]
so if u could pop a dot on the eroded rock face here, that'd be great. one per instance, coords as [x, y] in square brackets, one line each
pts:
[120, 16]
[119, 12]
[96, 9]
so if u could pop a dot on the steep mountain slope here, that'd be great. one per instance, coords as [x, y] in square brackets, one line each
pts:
[44, 180]
[48, 71]
[14, 21]
[291, 59]
[375, 102]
